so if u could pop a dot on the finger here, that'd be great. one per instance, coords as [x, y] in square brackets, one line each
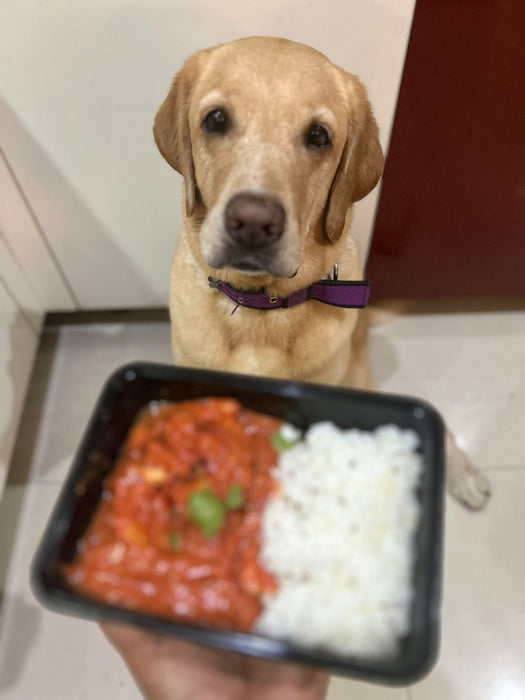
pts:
[122, 636]
[275, 680]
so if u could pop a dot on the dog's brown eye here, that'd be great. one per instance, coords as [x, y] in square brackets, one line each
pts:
[317, 137]
[216, 122]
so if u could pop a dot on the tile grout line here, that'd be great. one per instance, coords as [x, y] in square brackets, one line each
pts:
[504, 468]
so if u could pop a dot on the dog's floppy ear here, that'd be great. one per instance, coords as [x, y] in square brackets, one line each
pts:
[361, 163]
[171, 128]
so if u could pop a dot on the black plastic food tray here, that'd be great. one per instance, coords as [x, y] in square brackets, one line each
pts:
[132, 387]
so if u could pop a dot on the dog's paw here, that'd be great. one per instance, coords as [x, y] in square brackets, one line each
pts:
[470, 487]
[466, 483]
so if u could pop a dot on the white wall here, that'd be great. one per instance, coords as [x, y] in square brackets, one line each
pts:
[82, 81]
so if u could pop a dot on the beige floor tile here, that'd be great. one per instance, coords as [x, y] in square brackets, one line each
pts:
[471, 367]
[10, 512]
[483, 636]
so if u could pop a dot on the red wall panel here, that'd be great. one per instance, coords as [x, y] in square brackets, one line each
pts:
[451, 215]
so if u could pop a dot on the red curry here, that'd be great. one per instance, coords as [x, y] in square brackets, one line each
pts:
[148, 547]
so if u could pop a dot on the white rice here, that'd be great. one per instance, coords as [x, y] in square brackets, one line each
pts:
[339, 537]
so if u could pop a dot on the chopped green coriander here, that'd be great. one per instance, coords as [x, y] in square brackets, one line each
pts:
[281, 443]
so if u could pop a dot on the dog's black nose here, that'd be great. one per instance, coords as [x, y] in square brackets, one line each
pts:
[254, 220]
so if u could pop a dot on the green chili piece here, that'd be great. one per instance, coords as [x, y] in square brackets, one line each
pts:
[234, 498]
[175, 540]
[207, 511]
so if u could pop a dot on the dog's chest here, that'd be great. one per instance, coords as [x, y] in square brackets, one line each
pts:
[304, 342]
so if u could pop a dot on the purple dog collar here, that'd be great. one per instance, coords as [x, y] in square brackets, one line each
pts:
[348, 295]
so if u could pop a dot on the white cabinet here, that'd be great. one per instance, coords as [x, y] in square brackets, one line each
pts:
[29, 283]
[18, 343]
[33, 260]
[20, 322]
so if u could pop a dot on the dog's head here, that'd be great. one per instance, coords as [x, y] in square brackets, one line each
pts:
[274, 142]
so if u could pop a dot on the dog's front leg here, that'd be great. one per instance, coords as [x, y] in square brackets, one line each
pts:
[465, 482]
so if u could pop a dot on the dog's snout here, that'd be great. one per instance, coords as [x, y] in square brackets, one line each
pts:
[254, 220]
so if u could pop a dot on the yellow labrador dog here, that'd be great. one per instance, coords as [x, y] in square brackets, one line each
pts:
[275, 144]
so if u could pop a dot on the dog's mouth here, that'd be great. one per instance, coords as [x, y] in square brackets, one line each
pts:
[273, 266]
[249, 268]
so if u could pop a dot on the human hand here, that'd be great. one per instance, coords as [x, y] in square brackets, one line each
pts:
[166, 668]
